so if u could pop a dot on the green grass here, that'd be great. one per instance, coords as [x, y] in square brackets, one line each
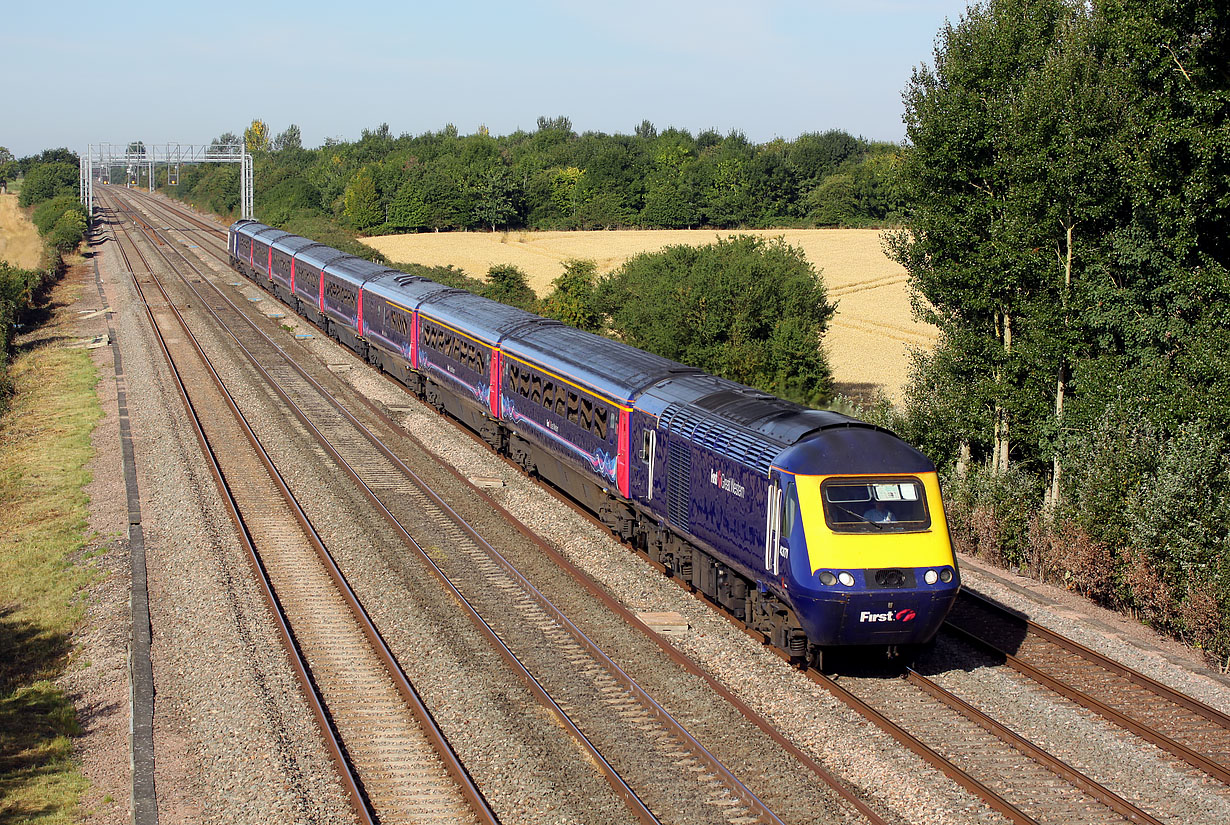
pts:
[44, 449]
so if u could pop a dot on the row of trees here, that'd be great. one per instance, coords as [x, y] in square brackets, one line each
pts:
[61, 221]
[1068, 182]
[553, 178]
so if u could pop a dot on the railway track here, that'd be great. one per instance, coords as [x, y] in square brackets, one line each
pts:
[392, 759]
[640, 739]
[1019, 780]
[1183, 727]
[1016, 778]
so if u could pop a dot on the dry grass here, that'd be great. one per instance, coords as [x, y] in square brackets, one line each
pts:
[19, 241]
[871, 332]
[44, 449]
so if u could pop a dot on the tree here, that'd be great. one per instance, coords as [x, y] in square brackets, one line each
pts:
[493, 194]
[668, 206]
[964, 239]
[1067, 183]
[554, 124]
[833, 202]
[508, 285]
[408, 210]
[289, 139]
[256, 137]
[749, 309]
[362, 203]
[8, 166]
[47, 180]
[572, 296]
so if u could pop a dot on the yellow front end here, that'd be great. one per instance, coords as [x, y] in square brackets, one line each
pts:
[829, 549]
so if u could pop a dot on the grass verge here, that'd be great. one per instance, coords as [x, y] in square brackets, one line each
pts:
[44, 449]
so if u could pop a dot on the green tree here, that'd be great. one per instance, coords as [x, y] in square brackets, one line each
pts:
[408, 210]
[289, 139]
[508, 285]
[47, 180]
[494, 197]
[750, 309]
[8, 166]
[572, 297]
[68, 231]
[834, 202]
[963, 245]
[362, 202]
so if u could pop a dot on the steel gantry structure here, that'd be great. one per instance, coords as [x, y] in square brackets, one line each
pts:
[100, 158]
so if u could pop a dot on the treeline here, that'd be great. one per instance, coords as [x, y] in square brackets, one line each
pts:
[554, 178]
[1068, 191]
[48, 183]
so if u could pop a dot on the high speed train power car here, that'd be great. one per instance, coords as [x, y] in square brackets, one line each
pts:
[814, 528]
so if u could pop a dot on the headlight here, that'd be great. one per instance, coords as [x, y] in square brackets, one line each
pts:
[946, 575]
[931, 577]
[845, 578]
[827, 578]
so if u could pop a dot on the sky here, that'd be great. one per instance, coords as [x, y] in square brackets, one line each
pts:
[79, 73]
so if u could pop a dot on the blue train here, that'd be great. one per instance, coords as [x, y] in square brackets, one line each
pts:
[815, 529]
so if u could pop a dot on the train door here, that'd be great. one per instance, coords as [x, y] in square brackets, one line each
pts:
[781, 509]
[649, 453]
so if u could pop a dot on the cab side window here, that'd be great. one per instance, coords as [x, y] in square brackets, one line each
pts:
[790, 510]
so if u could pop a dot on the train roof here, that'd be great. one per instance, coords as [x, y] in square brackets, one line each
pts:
[318, 255]
[487, 320]
[856, 448]
[268, 236]
[244, 223]
[356, 270]
[760, 429]
[403, 289]
[293, 243]
[611, 368]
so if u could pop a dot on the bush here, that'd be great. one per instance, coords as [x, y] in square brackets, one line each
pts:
[994, 517]
[572, 297]
[48, 180]
[47, 214]
[68, 231]
[748, 309]
[508, 285]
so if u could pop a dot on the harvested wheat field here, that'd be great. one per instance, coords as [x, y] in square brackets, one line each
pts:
[19, 243]
[870, 336]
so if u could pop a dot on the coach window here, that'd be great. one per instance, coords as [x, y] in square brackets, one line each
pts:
[587, 414]
[561, 402]
[600, 422]
[573, 405]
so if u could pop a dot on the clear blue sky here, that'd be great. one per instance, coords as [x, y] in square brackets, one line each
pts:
[88, 73]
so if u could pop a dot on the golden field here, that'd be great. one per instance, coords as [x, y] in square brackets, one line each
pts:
[19, 241]
[867, 342]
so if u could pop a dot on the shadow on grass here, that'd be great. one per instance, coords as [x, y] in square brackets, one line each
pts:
[36, 722]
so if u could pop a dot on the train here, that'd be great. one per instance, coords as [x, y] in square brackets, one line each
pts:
[815, 529]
